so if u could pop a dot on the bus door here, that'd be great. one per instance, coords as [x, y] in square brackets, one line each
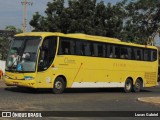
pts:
[46, 57]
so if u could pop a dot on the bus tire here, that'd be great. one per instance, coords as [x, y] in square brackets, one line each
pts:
[128, 85]
[137, 86]
[59, 85]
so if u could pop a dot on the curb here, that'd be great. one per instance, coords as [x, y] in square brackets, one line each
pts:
[152, 100]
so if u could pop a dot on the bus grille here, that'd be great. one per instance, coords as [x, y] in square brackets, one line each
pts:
[150, 77]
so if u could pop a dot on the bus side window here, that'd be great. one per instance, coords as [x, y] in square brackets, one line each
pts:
[79, 48]
[110, 51]
[138, 54]
[153, 55]
[124, 53]
[146, 55]
[100, 50]
[117, 52]
[129, 53]
[65, 46]
[106, 50]
[87, 50]
[95, 49]
[73, 47]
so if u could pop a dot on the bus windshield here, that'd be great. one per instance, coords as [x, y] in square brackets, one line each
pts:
[22, 54]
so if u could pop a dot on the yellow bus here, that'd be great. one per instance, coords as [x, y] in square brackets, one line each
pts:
[59, 61]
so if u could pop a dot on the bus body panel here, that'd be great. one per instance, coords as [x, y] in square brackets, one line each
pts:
[20, 79]
[80, 71]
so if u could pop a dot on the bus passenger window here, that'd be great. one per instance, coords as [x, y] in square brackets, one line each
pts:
[138, 54]
[130, 53]
[65, 46]
[153, 55]
[73, 47]
[100, 50]
[110, 51]
[66, 51]
[87, 49]
[106, 50]
[146, 55]
[92, 49]
[79, 48]
[117, 52]
[95, 50]
[124, 53]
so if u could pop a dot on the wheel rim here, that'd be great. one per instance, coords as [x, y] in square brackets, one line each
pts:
[128, 86]
[137, 86]
[58, 85]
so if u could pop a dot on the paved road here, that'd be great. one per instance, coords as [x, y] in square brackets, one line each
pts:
[18, 99]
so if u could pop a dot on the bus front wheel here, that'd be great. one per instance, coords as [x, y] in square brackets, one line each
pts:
[59, 85]
[128, 85]
[138, 86]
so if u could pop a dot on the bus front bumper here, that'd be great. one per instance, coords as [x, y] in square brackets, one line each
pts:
[22, 83]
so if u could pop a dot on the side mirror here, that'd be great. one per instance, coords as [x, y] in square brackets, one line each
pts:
[41, 61]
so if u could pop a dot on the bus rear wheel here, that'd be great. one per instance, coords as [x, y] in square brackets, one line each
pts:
[59, 85]
[128, 85]
[138, 86]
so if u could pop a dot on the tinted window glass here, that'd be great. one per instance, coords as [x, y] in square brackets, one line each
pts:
[111, 51]
[65, 47]
[70, 46]
[117, 52]
[124, 53]
[47, 53]
[79, 48]
[153, 55]
[146, 55]
[138, 54]
[99, 49]
[87, 49]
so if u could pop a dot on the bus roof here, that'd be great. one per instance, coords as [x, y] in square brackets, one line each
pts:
[83, 36]
[43, 34]
[73, 35]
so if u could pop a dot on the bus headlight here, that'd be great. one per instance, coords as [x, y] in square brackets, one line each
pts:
[6, 76]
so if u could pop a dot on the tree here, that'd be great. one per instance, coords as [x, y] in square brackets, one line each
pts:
[14, 29]
[143, 22]
[116, 16]
[39, 22]
[81, 16]
[5, 40]
[52, 21]
[134, 21]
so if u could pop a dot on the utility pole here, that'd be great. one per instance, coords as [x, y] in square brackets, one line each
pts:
[25, 3]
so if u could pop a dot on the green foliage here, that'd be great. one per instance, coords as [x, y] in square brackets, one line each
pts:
[144, 20]
[5, 41]
[14, 29]
[132, 20]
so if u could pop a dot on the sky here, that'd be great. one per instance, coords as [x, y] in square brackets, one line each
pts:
[11, 11]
